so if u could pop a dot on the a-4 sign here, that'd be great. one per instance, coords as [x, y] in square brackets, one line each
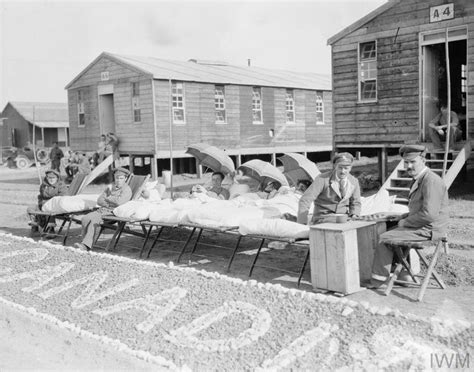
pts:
[442, 12]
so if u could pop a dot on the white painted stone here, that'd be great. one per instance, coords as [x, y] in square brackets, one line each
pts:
[297, 348]
[185, 336]
[156, 306]
[39, 277]
[89, 295]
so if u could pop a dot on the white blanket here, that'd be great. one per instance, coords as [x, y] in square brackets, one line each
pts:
[69, 204]
[275, 227]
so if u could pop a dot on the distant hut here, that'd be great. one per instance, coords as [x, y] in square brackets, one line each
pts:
[245, 110]
[50, 121]
[389, 72]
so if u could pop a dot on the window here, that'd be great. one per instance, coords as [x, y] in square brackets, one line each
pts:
[80, 109]
[368, 71]
[319, 108]
[257, 105]
[219, 102]
[177, 96]
[290, 106]
[463, 85]
[136, 102]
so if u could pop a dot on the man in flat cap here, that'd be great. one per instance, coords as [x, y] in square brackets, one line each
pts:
[114, 195]
[336, 191]
[427, 218]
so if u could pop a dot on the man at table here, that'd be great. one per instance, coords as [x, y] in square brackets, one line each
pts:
[114, 195]
[427, 217]
[336, 191]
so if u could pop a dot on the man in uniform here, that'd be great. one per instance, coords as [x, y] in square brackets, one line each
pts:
[56, 154]
[114, 195]
[427, 218]
[336, 191]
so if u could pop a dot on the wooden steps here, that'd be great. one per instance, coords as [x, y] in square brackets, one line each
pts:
[398, 183]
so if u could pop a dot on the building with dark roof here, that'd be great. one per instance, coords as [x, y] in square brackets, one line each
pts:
[150, 103]
[50, 121]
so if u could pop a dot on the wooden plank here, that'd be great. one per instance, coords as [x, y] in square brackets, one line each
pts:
[318, 258]
[351, 262]
[335, 244]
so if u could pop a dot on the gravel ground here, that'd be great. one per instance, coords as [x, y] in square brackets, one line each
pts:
[205, 321]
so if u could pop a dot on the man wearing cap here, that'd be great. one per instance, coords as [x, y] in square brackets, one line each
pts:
[51, 186]
[332, 192]
[114, 195]
[427, 218]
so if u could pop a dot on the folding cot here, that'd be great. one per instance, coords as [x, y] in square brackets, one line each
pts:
[119, 224]
[46, 231]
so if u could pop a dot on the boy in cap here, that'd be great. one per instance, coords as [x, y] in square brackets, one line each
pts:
[114, 195]
[332, 192]
[51, 186]
[427, 218]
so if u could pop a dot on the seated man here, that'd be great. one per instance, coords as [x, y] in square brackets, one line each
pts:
[439, 125]
[51, 186]
[427, 217]
[216, 191]
[114, 195]
[332, 192]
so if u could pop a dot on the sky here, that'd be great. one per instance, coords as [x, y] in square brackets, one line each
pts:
[45, 44]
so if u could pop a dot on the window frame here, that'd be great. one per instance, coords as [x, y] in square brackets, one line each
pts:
[136, 108]
[80, 109]
[174, 85]
[320, 107]
[290, 102]
[220, 100]
[260, 104]
[360, 79]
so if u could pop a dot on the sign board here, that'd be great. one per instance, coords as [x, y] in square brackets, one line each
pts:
[442, 12]
[104, 76]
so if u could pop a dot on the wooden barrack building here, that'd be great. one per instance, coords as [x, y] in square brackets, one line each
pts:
[244, 110]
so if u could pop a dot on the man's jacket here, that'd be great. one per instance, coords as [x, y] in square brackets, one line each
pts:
[325, 193]
[428, 205]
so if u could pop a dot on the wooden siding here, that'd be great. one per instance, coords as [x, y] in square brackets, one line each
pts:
[134, 137]
[394, 118]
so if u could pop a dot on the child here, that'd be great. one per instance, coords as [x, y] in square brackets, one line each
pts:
[51, 186]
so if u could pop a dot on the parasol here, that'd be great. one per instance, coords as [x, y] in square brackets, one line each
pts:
[298, 167]
[211, 157]
[263, 171]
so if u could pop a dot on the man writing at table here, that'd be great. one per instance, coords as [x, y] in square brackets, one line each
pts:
[332, 192]
[427, 218]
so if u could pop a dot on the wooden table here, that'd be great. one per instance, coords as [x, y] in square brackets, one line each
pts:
[341, 254]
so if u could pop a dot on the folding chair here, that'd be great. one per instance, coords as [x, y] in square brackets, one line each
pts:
[293, 242]
[119, 224]
[402, 250]
[74, 188]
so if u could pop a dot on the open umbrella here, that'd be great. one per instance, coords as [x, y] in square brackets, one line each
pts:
[212, 157]
[298, 167]
[263, 171]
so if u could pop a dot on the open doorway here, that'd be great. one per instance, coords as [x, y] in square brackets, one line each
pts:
[435, 77]
[107, 113]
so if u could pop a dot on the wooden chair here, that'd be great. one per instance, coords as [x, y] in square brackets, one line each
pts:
[402, 250]
[119, 224]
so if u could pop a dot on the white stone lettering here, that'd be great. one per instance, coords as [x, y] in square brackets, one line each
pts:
[37, 254]
[157, 307]
[298, 348]
[89, 296]
[185, 336]
[40, 277]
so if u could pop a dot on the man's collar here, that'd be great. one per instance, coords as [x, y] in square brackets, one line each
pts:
[423, 171]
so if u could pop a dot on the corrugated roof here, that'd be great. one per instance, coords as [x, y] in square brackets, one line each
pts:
[42, 112]
[361, 22]
[220, 73]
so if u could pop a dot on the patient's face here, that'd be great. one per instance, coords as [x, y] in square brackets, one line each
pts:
[216, 180]
[301, 188]
[119, 179]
